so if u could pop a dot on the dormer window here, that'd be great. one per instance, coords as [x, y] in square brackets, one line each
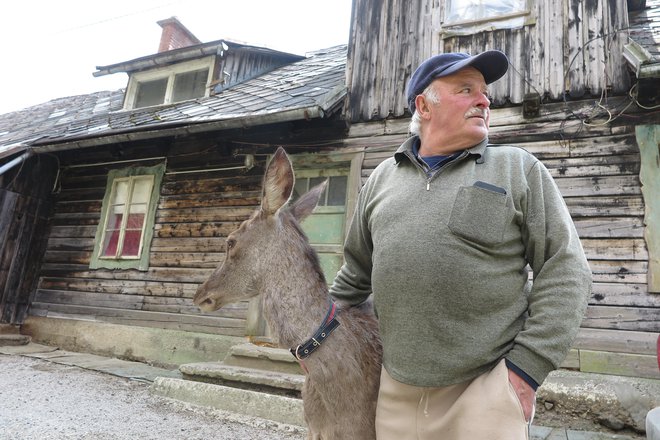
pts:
[166, 85]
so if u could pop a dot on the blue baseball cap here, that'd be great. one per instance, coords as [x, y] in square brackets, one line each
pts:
[492, 64]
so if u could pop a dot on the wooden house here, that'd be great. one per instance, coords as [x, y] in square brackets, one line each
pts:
[129, 195]
[581, 94]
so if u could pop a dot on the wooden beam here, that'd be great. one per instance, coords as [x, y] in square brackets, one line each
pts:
[617, 341]
[622, 318]
[649, 146]
[621, 364]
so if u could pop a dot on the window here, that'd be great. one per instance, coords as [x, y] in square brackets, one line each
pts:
[470, 16]
[169, 84]
[151, 92]
[335, 194]
[189, 85]
[124, 233]
[325, 227]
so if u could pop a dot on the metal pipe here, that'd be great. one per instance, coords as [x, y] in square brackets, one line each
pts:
[241, 167]
[15, 161]
[113, 162]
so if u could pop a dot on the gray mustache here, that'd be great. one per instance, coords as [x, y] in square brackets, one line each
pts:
[481, 112]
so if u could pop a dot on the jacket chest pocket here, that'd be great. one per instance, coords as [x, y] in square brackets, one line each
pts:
[480, 213]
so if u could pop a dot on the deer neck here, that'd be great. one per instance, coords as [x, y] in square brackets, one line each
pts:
[296, 303]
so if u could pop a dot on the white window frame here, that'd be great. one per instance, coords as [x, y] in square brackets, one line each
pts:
[474, 25]
[168, 72]
[125, 217]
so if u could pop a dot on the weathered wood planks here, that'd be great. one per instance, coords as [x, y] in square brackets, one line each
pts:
[559, 52]
[195, 213]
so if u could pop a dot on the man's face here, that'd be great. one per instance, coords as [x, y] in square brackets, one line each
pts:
[462, 112]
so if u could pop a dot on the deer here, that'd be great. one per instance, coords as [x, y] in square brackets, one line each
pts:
[339, 348]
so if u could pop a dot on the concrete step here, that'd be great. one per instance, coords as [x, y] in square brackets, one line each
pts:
[653, 424]
[267, 406]
[271, 382]
[263, 358]
[14, 339]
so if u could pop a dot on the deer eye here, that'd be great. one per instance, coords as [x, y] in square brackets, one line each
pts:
[230, 243]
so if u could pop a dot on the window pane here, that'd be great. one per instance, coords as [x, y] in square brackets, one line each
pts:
[466, 10]
[189, 85]
[150, 93]
[112, 232]
[131, 246]
[135, 220]
[115, 216]
[337, 191]
[300, 187]
[110, 244]
[316, 181]
[141, 189]
[120, 192]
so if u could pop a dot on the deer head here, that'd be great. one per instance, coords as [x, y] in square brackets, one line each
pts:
[264, 249]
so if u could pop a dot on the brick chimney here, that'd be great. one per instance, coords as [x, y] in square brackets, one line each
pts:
[175, 35]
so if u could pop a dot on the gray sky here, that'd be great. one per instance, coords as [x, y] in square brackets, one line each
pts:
[51, 48]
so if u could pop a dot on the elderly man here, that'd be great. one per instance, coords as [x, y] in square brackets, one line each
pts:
[443, 235]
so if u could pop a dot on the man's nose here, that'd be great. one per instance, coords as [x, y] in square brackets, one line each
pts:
[483, 100]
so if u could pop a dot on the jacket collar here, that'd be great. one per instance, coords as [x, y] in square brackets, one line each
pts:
[406, 150]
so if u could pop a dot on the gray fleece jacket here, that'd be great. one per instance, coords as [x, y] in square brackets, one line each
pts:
[447, 259]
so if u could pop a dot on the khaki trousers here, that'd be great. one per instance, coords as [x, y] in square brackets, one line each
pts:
[486, 408]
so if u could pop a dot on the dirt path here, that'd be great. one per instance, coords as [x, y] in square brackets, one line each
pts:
[40, 400]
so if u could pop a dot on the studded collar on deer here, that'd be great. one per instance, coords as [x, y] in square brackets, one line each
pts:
[304, 350]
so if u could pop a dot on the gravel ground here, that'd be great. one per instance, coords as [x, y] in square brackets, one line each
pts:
[41, 400]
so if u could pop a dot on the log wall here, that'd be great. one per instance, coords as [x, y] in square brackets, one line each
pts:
[205, 194]
[566, 46]
[24, 208]
[196, 210]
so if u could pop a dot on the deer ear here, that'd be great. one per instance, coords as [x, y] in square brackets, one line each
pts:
[278, 183]
[305, 205]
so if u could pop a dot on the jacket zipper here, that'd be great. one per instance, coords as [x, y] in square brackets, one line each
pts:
[431, 177]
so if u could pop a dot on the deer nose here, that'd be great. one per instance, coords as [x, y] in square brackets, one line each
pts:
[206, 304]
[200, 296]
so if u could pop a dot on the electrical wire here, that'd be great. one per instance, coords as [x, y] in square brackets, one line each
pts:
[117, 17]
[634, 98]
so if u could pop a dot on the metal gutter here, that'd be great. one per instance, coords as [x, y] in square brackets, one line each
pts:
[14, 162]
[157, 61]
[186, 53]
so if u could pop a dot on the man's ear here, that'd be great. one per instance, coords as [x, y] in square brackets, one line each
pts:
[422, 106]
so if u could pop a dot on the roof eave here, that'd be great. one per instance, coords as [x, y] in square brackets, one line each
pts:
[184, 54]
[162, 130]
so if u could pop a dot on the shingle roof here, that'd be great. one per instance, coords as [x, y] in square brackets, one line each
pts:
[308, 88]
[645, 27]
